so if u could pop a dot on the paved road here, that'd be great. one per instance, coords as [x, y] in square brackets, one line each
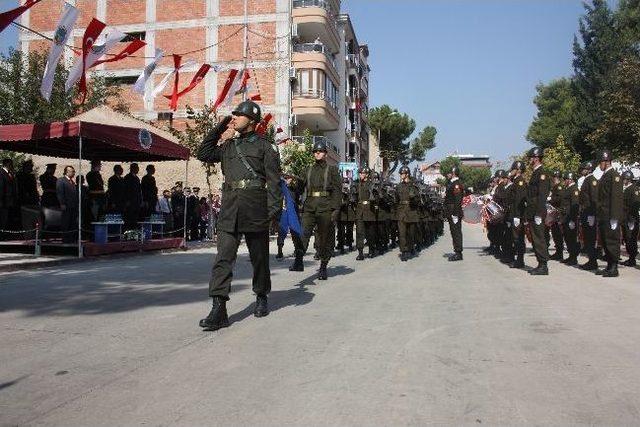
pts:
[382, 342]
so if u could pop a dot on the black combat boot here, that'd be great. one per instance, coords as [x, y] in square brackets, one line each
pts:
[572, 260]
[456, 257]
[360, 256]
[342, 250]
[280, 254]
[558, 256]
[540, 270]
[316, 256]
[601, 271]
[404, 256]
[322, 272]
[372, 253]
[297, 265]
[631, 262]
[518, 263]
[612, 272]
[589, 265]
[262, 306]
[217, 318]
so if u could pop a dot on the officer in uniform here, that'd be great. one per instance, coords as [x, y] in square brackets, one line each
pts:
[408, 201]
[500, 197]
[609, 213]
[631, 217]
[453, 206]
[48, 183]
[251, 198]
[366, 215]
[570, 212]
[537, 193]
[557, 196]
[323, 190]
[588, 200]
[507, 236]
[347, 216]
[517, 212]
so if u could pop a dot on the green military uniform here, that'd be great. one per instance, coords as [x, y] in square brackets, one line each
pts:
[588, 200]
[517, 215]
[570, 208]
[408, 217]
[630, 223]
[610, 215]
[323, 196]
[250, 199]
[453, 207]
[557, 195]
[384, 218]
[366, 217]
[537, 193]
[347, 217]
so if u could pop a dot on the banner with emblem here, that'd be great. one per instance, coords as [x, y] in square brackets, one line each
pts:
[63, 31]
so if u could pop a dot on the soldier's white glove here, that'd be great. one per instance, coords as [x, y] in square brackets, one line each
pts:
[591, 220]
[631, 225]
[454, 219]
[508, 224]
[516, 222]
[614, 224]
[572, 225]
[538, 220]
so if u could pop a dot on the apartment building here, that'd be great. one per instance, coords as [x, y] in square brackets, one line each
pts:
[303, 58]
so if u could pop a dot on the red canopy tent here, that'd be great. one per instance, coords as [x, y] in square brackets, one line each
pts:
[98, 134]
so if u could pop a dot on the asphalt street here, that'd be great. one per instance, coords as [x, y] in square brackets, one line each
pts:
[116, 342]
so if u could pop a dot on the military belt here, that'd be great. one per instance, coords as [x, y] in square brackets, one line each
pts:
[319, 194]
[405, 202]
[244, 184]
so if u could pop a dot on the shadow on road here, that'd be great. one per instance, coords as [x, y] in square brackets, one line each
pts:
[10, 383]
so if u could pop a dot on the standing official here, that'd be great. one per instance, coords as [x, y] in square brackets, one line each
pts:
[609, 213]
[517, 213]
[96, 196]
[366, 215]
[570, 213]
[453, 208]
[149, 192]
[48, 182]
[251, 199]
[115, 191]
[631, 221]
[8, 193]
[132, 197]
[588, 200]
[537, 193]
[408, 200]
[321, 208]
[67, 192]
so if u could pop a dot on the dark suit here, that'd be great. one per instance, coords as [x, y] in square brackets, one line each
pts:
[8, 197]
[132, 200]
[453, 208]
[149, 194]
[67, 193]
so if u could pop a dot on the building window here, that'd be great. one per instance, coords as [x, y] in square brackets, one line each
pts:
[165, 116]
[314, 83]
[121, 80]
[137, 35]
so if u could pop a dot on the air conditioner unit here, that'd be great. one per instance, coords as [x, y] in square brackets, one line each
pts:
[293, 120]
[294, 32]
[292, 74]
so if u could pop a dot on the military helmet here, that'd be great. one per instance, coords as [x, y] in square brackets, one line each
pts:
[365, 170]
[587, 165]
[248, 109]
[455, 170]
[627, 175]
[557, 174]
[501, 173]
[604, 156]
[319, 145]
[518, 165]
[404, 169]
[569, 175]
[535, 152]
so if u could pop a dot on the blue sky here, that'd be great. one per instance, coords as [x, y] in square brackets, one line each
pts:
[467, 67]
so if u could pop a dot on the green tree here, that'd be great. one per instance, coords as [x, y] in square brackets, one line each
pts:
[561, 157]
[393, 129]
[297, 157]
[477, 178]
[556, 106]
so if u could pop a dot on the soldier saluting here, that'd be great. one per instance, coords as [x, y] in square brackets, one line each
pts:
[609, 213]
[251, 198]
[321, 209]
[453, 207]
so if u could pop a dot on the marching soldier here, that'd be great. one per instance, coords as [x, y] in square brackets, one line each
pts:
[499, 228]
[570, 210]
[557, 195]
[537, 193]
[366, 215]
[517, 212]
[251, 198]
[609, 213]
[507, 237]
[408, 219]
[453, 207]
[347, 216]
[588, 201]
[631, 217]
[320, 210]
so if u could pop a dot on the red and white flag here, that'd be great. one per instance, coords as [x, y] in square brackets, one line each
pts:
[197, 78]
[262, 127]
[9, 16]
[236, 84]
[163, 83]
[280, 136]
[63, 31]
[141, 83]
[129, 50]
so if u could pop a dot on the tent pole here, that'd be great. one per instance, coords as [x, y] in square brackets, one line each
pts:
[186, 183]
[79, 197]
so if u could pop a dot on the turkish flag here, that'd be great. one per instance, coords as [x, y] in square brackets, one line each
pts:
[197, 78]
[131, 48]
[88, 40]
[9, 16]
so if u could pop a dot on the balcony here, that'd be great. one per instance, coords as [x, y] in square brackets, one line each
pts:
[364, 88]
[314, 111]
[315, 48]
[315, 19]
[353, 63]
[313, 59]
